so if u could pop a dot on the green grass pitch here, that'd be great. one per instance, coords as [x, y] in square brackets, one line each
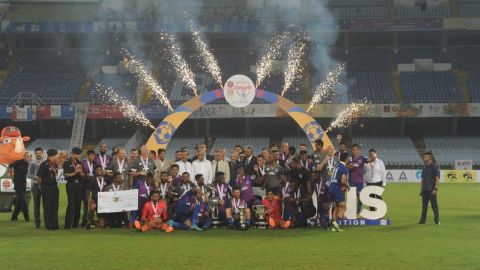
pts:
[403, 245]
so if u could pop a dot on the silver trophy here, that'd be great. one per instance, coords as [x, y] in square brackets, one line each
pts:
[241, 210]
[214, 203]
[260, 222]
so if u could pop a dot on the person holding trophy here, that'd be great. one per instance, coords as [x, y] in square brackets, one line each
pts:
[273, 211]
[187, 210]
[237, 212]
[142, 165]
[154, 215]
[222, 191]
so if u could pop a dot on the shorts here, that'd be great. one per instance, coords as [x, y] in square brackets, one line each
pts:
[336, 193]
[358, 185]
[288, 214]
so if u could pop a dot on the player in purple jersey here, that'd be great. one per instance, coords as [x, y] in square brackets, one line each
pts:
[356, 171]
[187, 211]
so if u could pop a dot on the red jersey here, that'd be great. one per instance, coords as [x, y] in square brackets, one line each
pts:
[150, 212]
[276, 208]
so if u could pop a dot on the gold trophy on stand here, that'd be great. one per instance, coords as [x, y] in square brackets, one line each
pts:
[260, 222]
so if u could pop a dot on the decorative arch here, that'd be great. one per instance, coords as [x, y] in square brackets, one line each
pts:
[165, 130]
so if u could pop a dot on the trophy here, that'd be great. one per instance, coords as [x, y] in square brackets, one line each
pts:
[214, 202]
[242, 225]
[260, 222]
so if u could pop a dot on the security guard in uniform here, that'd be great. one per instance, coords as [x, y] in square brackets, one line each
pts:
[72, 169]
[47, 179]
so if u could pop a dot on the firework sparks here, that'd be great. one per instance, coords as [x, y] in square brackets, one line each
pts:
[294, 63]
[349, 115]
[180, 65]
[209, 63]
[132, 112]
[138, 68]
[274, 51]
[326, 88]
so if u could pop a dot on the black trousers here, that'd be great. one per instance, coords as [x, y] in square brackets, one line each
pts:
[378, 184]
[20, 203]
[85, 195]
[50, 206]
[37, 199]
[74, 194]
[427, 196]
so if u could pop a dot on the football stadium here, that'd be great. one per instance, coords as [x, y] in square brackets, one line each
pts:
[239, 134]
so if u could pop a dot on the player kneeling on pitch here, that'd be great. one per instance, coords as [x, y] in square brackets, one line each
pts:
[336, 188]
[154, 215]
[237, 212]
[273, 211]
[187, 211]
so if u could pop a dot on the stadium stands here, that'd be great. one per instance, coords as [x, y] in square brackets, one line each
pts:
[177, 143]
[474, 81]
[59, 88]
[428, 11]
[469, 7]
[124, 84]
[407, 55]
[112, 143]
[61, 145]
[430, 87]
[374, 86]
[395, 151]
[448, 149]
[229, 143]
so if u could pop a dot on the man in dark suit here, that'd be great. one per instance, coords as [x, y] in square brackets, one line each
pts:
[250, 161]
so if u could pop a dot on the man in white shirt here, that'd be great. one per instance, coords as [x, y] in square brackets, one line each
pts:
[375, 172]
[204, 167]
[185, 166]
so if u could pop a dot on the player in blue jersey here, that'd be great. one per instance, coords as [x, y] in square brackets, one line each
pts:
[337, 187]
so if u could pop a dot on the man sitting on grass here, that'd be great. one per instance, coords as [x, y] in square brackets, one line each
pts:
[273, 211]
[154, 215]
[234, 207]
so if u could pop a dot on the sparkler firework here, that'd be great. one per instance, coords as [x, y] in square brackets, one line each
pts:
[349, 115]
[294, 63]
[274, 51]
[180, 65]
[325, 89]
[138, 68]
[132, 112]
[208, 61]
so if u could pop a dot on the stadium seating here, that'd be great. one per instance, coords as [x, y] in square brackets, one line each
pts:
[51, 62]
[229, 144]
[177, 143]
[62, 145]
[468, 58]
[373, 86]
[367, 59]
[407, 55]
[448, 149]
[469, 7]
[474, 81]
[396, 151]
[124, 85]
[112, 143]
[430, 87]
[52, 88]
[429, 11]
